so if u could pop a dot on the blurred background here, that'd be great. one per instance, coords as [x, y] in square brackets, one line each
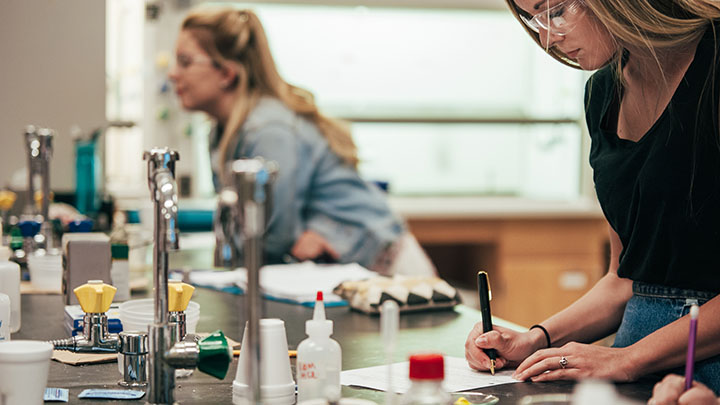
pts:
[476, 132]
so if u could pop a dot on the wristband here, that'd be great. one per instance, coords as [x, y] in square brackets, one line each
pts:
[547, 335]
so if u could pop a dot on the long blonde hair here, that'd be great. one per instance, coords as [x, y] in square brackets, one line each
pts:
[236, 38]
[650, 24]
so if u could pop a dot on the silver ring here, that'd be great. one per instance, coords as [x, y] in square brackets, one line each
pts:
[563, 362]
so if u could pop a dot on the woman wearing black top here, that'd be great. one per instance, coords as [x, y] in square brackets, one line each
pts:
[652, 114]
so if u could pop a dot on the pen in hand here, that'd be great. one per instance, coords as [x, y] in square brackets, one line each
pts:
[485, 296]
[690, 360]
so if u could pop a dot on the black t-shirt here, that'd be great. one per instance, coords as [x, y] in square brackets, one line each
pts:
[662, 194]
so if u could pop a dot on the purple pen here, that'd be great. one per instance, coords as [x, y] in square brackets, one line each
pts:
[690, 361]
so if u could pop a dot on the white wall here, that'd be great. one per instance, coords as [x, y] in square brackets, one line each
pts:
[52, 73]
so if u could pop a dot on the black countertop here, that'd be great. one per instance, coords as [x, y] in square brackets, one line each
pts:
[358, 334]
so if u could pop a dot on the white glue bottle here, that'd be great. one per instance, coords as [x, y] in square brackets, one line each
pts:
[4, 317]
[10, 285]
[319, 358]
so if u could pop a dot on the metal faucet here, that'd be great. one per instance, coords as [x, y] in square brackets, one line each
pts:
[163, 192]
[39, 147]
[243, 212]
[95, 298]
[165, 352]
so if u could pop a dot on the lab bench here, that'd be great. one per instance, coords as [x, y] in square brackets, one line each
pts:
[541, 255]
[358, 334]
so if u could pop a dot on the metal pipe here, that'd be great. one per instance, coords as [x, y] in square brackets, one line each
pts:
[39, 148]
[163, 193]
[32, 145]
[252, 179]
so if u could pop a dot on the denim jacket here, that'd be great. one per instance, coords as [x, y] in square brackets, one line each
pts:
[314, 189]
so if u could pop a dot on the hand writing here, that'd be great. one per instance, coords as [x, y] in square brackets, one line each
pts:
[671, 391]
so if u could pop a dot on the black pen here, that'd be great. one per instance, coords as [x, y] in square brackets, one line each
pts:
[485, 296]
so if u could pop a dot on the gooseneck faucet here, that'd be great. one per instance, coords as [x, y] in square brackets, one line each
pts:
[163, 193]
[211, 355]
[242, 217]
[39, 148]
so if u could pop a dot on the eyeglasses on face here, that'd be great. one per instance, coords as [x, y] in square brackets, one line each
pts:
[559, 19]
[184, 61]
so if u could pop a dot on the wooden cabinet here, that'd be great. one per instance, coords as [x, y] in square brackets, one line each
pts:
[537, 266]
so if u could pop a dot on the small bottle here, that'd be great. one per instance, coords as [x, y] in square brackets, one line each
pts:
[427, 372]
[319, 358]
[5, 320]
[10, 285]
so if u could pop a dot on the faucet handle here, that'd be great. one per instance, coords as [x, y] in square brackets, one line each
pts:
[39, 199]
[179, 295]
[7, 199]
[95, 297]
[215, 355]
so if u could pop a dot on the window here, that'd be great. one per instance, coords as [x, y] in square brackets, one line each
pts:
[443, 101]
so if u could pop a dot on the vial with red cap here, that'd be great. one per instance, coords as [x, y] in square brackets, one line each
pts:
[319, 359]
[427, 372]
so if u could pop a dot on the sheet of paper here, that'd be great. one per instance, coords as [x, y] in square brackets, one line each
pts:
[297, 282]
[458, 377]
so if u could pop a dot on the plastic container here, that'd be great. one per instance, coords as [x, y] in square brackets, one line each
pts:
[10, 285]
[4, 317]
[24, 367]
[137, 315]
[427, 372]
[319, 358]
[276, 382]
[46, 271]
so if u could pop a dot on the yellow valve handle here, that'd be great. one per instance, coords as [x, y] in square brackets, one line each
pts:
[7, 199]
[179, 295]
[39, 197]
[95, 297]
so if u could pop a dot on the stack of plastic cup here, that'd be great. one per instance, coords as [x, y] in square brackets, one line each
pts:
[24, 366]
[137, 315]
[46, 270]
[277, 386]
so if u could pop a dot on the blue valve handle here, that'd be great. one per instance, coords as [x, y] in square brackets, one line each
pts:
[28, 229]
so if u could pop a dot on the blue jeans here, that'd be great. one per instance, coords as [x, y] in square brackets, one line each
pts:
[650, 308]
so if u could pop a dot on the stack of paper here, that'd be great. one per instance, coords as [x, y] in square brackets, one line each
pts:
[458, 377]
[297, 282]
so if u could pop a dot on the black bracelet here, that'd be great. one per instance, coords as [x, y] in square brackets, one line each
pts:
[547, 335]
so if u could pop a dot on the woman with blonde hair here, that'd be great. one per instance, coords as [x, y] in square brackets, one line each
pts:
[322, 209]
[652, 115]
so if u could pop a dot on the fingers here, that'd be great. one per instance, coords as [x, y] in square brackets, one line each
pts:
[698, 395]
[559, 374]
[668, 391]
[541, 364]
[492, 340]
[522, 373]
[474, 354]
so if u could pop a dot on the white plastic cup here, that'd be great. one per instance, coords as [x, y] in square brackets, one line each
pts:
[46, 271]
[24, 367]
[137, 315]
[277, 386]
